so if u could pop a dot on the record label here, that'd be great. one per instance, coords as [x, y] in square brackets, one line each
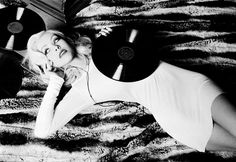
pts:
[15, 27]
[126, 53]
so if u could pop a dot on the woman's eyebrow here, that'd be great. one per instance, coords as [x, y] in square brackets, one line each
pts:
[51, 39]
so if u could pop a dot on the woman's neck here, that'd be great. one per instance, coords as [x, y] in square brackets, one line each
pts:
[80, 62]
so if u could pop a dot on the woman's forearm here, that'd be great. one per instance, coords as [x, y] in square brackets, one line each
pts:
[46, 110]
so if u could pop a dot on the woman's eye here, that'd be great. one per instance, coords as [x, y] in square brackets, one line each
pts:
[56, 40]
[46, 51]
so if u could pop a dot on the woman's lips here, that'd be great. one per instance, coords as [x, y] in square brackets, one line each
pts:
[63, 51]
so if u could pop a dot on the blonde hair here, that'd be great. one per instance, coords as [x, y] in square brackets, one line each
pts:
[36, 59]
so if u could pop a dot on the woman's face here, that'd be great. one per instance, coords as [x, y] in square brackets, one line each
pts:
[56, 49]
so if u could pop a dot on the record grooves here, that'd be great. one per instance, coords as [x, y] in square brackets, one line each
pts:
[126, 54]
[17, 25]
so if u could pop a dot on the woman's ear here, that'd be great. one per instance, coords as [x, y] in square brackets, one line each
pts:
[84, 40]
[84, 45]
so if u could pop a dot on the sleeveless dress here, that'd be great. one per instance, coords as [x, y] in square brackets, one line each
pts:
[180, 100]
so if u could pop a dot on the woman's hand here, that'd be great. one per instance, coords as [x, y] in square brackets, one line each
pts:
[49, 70]
[57, 72]
[104, 31]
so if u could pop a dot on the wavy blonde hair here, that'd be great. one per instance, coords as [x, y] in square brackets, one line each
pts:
[81, 45]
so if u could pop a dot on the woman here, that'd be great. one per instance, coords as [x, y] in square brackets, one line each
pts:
[186, 104]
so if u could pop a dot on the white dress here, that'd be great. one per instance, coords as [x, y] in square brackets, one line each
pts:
[180, 100]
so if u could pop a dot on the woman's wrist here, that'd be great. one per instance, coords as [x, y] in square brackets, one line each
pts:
[56, 78]
[54, 85]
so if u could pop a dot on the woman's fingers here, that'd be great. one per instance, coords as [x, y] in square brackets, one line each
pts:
[104, 31]
[45, 67]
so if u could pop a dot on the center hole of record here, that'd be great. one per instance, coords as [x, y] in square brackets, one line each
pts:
[126, 53]
[15, 27]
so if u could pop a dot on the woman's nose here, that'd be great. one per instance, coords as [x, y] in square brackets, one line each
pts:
[57, 48]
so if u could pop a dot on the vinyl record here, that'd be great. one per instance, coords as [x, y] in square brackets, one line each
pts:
[17, 25]
[126, 54]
